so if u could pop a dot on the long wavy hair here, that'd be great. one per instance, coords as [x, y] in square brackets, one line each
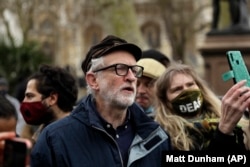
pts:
[174, 124]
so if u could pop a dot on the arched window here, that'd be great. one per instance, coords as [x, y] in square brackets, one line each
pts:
[47, 26]
[151, 33]
[93, 34]
[47, 48]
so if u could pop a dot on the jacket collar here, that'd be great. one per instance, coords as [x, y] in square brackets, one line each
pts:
[86, 113]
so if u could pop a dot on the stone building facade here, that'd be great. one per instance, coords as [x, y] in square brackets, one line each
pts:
[67, 32]
[69, 29]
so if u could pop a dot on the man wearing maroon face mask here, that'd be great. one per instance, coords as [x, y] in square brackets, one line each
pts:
[50, 95]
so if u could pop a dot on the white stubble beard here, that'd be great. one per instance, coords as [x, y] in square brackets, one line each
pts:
[116, 98]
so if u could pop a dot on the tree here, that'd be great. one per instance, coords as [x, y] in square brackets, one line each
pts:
[183, 21]
[19, 61]
[119, 18]
[16, 63]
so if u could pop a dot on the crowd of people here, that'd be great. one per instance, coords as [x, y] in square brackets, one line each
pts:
[138, 105]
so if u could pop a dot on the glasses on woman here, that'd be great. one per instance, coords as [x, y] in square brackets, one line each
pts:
[122, 69]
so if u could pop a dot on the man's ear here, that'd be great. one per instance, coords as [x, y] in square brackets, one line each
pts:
[52, 99]
[91, 80]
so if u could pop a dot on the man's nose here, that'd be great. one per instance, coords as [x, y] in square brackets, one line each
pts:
[141, 88]
[130, 75]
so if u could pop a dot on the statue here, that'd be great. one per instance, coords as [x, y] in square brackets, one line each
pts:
[238, 17]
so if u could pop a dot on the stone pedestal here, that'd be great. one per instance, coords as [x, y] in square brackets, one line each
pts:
[214, 53]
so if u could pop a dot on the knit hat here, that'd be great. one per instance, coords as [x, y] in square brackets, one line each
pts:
[107, 45]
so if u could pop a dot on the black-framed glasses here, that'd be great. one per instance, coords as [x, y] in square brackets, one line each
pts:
[122, 69]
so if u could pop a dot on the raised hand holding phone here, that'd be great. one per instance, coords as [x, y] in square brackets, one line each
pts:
[16, 152]
[238, 70]
[3, 137]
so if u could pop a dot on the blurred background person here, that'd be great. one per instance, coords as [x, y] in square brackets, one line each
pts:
[10, 152]
[8, 122]
[8, 116]
[4, 89]
[154, 63]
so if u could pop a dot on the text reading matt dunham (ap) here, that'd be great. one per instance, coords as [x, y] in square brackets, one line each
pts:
[184, 158]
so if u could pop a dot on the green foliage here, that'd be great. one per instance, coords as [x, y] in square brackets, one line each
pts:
[16, 63]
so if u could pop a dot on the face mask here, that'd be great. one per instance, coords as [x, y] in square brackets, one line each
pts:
[188, 103]
[34, 113]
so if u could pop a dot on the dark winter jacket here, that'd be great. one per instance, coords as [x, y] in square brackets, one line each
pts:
[80, 140]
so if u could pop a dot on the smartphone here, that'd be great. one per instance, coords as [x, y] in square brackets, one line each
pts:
[16, 152]
[238, 70]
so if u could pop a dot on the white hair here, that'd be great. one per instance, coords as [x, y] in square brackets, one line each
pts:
[95, 64]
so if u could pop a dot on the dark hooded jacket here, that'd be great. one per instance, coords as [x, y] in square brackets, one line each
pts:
[81, 140]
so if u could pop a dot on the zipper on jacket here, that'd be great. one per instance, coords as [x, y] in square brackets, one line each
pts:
[112, 140]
